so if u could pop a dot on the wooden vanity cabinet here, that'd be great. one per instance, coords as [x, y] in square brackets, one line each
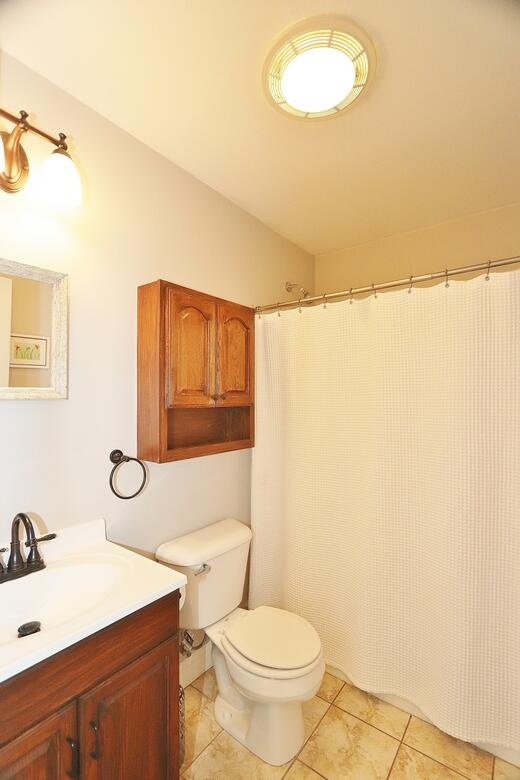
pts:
[105, 708]
[195, 374]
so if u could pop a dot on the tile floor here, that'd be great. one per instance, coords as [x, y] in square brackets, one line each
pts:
[349, 734]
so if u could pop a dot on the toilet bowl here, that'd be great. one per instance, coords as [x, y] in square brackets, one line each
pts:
[267, 661]
[260, 704]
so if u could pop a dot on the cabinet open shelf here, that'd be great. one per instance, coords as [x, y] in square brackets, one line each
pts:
[195, 374]
[194, 427]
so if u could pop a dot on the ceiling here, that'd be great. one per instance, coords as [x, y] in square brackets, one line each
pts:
[437, 135]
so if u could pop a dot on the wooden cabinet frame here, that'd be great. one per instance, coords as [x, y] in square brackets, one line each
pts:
[195, 374]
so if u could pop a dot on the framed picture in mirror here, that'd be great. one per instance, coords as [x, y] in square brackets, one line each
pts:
[33, 332]
[29, 351]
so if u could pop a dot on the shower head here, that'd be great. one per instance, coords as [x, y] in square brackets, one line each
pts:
[290, 286]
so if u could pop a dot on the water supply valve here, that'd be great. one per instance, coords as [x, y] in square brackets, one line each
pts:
[186, 643]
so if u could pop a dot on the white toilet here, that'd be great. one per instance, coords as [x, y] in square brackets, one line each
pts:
[267, 661]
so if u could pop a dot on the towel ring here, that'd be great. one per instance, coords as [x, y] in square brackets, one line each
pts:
[117, 458]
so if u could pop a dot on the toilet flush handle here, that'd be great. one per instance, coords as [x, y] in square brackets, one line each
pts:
[204, 569]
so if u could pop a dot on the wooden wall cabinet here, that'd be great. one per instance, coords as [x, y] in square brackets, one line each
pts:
[104, 709]
[195, 374]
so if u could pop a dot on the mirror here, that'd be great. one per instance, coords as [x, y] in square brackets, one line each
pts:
[33, 332]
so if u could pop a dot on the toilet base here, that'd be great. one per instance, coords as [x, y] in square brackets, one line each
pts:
[273, 731]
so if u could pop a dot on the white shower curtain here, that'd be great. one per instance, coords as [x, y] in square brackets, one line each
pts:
[386, 493]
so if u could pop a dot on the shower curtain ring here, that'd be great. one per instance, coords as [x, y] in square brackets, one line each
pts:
[411, 284]
[324, 300]
[278, 307]
[487, 272]
[374, 290]
[300, 305]
[351, 296]
[446, 284]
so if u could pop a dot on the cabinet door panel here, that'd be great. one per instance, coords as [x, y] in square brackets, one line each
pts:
[48, 751]
[191, 349]
[129, 723]
[235, 355]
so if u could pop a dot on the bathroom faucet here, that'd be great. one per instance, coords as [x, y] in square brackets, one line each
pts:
[17, 566]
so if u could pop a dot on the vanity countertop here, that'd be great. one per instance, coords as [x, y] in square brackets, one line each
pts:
[88, 583]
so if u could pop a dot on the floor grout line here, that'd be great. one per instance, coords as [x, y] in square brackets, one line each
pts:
[406, 728]
[315, 729]
[394, 760]
[288, 769]
[338, 693]
[426, 755]
[366, 723]
[187, 766]
[399, 748]
[310, 767]
[209, 701]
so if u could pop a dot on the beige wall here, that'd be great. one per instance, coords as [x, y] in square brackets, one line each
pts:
[481, 237]
[143, 219]
[31, 315]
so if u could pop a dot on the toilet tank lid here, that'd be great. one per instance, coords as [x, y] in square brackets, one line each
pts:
[200, 546]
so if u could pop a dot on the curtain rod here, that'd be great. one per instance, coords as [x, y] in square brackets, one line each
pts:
[371, 288]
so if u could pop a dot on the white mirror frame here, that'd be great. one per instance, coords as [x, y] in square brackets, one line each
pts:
[59, 336]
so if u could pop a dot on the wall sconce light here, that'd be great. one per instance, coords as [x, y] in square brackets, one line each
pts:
[61, 182]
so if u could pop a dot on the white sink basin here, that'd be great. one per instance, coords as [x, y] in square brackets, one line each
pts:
[87, 584]
[62, 591]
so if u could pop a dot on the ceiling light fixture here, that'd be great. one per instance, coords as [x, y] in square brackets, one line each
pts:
[62, 180]
[319, 68]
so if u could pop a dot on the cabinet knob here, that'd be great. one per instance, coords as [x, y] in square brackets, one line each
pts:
[223, 396]
[215, 396]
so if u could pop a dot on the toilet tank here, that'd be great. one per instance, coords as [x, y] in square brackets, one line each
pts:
[214, 560]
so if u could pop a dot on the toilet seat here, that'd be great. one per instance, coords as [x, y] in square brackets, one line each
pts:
[258, 670]
[272, 643]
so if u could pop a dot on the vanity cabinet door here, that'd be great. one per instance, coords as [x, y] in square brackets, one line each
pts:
[48, 751]
[191, 350]
[235, 355]
[129, 723]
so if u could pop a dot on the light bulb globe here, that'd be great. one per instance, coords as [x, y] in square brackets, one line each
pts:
[60, 181]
